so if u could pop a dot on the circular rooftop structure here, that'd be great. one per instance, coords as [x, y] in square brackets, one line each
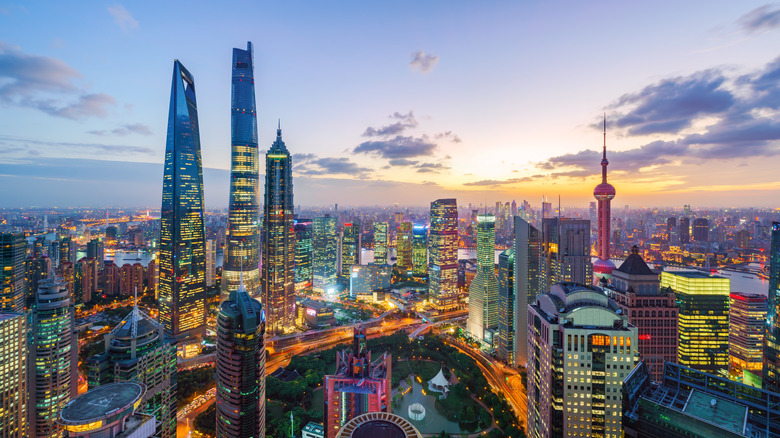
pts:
[604, 191]
[378, 425]
[102, 406]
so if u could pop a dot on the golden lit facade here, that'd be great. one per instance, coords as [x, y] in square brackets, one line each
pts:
[13, 378]
[703, 320]
[443, 254]
[404, 246]
[380, 243]
[747, 318]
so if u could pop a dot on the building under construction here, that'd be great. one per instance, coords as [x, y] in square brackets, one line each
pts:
[359, 385]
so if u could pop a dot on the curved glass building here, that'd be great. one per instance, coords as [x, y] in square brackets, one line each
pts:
[243, 239]
[483, 291]
[182, 285]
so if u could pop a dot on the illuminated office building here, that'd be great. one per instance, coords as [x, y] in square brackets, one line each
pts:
[358, 386]
[747, 318]
[567, 250]
[483, 291]
[240, 374]
[350, 247]
[771, 380]
[528, 277]
[419, 252]
[243, 240]
[13, 281]
[53, 377]
[380, 243]
[324, 248]
[506, 344]
[211, 263]
[37, 270]
[365, 279]
[443, 254]
[580, 349]
[701, 230]
[278, 268]
[137, 350]
[85, 279]
[685, 230]
[182, 258]
[404, 247]
[95, 249]
[703, 322]
[652, 310]
[303, 255]
[67, 250]
[13, 378]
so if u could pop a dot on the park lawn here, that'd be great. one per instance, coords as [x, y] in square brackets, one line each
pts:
[317, 399]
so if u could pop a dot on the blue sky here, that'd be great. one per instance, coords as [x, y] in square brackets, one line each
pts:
[385, 102]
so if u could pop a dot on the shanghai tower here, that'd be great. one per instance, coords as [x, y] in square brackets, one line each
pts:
[182, 284]
[243, 241]
[278, 273]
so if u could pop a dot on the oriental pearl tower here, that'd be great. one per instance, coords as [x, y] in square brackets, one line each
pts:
[604, 192]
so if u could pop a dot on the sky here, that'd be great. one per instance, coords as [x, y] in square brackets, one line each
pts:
[400, 102]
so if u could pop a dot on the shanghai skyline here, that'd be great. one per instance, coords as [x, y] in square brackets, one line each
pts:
[379, 116]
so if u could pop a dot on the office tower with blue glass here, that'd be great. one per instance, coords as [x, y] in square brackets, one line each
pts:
[182, 283]
[13, 379]
[380, 243]
[528, 284]
[771, 370]
[324, 254]
[303, 255]
[443, 254]
[243, 239]
[420, 252]
[483, 291]
[350, 247]
[278, 269]
[13, 281]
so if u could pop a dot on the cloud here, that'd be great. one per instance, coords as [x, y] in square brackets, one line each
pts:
[494, 182]
[134, 128]
[431, 167]
[71, 149]
[405, 121]
[398, 147]
[765, 17]
[310, 164]
[449, 135]
[422, 62]
[32, 81]
[122, 18]
[403, 162]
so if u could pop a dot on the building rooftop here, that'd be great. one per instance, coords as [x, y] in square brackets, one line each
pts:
[717, 410]
[102, 401]
[692, 274]
[635, 265]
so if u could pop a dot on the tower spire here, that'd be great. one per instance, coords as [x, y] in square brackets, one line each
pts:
[604, 161]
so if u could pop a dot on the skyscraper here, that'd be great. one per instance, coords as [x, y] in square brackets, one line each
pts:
[771, 380]
[404, 247]
[182, 237]
[243, 240]
[419, 252]
[211, 263]
[443, 254]
[324, 244]
[701, 229]
[483, 291]
[580, 348]
[380, 243]
[529, 282]
[604, 194]
[507, 300]
[54, 357]
[137, 350]
[95, 249]
[703, 324]
[241, 367]
[13, 378]
[85, 278]
[358, 386]
[685, 230]
[278, 272]
[13, 281]
[567, 251]
[350, 247]
[747, 318]
[303, 255]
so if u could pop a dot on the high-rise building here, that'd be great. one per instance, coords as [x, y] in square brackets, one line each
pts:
[240, 377]
[110, 279]
[604, 193]
[109, 411]
[53, 377]
[443, 254]
[37, 269]
[304, 252]
[580, 348]
[66, 271]
[131, 279]
[153, 277]
[13, 281]
[567, 251]
[771, 380]
[85, 279]
[182, 284]
[703, 322]
[137, 350]
[67, 250]
[278, 271]
[701, 229]
[243, 239]
[350, 247]
[483, 291]
[358, 386]
[507, 316]
[211, 263]
[95, 249]
[13, 378]
[404, 247]
[685, 230]
[747, 317]
[419, 252]
[652, 310]
[324, 247]
[529, 282]
[365, 279]
[380, 243]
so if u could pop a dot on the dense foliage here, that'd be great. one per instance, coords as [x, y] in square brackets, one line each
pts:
[192, 383]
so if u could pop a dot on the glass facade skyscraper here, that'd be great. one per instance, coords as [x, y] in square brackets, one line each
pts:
[13, 379]
[443, 254]
[182, 284]
[243, 239]
[507, 317]
[303, 255]
[324, 247]
[278, 271]
[529, 283]
[483, 291]
[380, 243]
[13, 282]
[771, 372]
[419, 252]
[404, 247]
[350, 247]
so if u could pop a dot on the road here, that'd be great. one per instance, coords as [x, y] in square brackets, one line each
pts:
[184, 425]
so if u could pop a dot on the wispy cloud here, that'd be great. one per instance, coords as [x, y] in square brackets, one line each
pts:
[404, 122]
[311, 164]
[122, 18]
[763, 18]
[398, 147]
[133, 128]
[423, 62]
[496, 182]
[70, 149]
